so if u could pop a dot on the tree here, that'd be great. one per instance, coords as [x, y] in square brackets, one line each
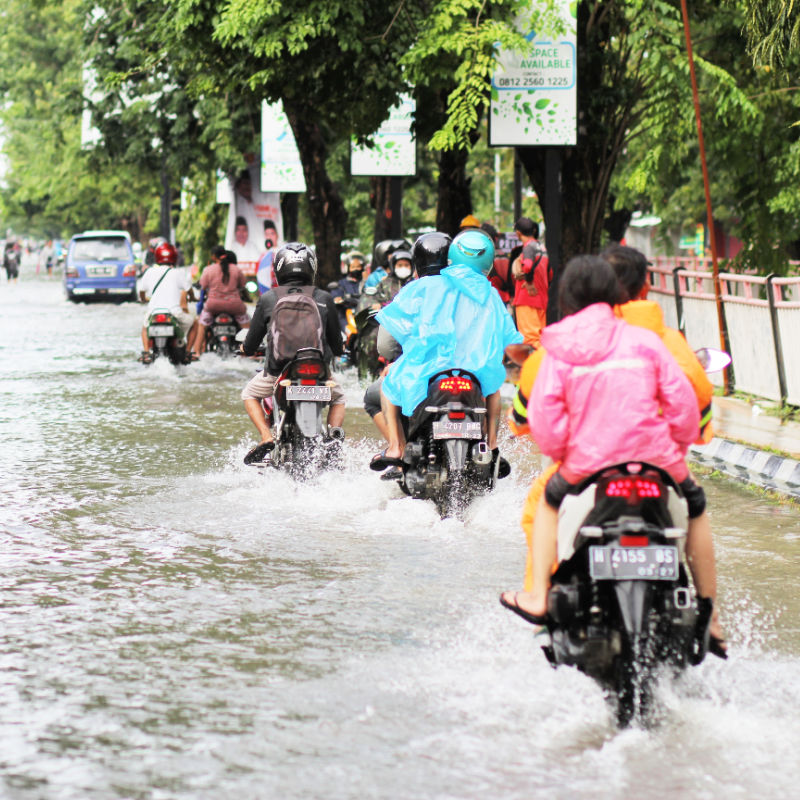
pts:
[52, 186]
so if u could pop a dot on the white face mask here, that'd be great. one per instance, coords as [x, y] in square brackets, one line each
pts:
[402, 272]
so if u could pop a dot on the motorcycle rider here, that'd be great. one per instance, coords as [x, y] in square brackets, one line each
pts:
[400, 273]
[380, 260]
[348, 290]
[295, 266]
[454, 319]
[168, 287]
[609, 392]
[428, 257]
[630, 266]
[222, 282]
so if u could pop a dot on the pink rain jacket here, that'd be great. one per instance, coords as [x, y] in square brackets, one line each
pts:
[609, 392]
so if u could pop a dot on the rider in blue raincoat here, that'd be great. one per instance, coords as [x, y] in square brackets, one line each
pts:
[452, 320]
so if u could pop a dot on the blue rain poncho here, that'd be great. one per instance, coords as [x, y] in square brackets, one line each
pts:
[452, 320]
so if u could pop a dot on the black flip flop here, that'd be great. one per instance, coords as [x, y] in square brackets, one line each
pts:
[534, 619]
[504, 468]
[380, 461]
[257, 454]
[715, 647]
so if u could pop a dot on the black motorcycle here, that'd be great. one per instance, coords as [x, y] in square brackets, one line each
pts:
[620, 607]
[304, 444]
[446, 458]
[221, 336]
[363, 345]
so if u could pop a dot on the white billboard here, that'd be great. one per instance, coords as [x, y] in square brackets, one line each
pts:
[394, 150]
[534, 93]
[281, 168]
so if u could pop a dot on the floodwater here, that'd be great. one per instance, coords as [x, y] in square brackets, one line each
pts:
[178, 625]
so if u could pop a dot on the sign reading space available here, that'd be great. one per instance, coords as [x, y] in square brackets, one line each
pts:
[534, 94]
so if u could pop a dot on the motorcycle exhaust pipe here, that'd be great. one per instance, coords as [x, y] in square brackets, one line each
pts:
[336, 433]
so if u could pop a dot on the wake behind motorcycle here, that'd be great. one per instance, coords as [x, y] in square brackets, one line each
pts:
[304, 444]
[166, 338]
[446, 458]
[620, 607]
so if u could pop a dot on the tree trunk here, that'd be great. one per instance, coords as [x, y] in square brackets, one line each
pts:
[454, 199]
[165, 219]
[379, 197]
[328, 215]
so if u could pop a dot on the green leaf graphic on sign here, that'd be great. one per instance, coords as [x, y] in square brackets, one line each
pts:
[543, 103]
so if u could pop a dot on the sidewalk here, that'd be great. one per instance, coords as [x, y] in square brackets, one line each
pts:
[745, 438]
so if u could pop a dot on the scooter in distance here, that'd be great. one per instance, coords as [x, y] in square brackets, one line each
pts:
[165, 339]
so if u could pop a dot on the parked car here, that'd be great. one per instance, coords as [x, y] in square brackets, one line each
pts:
[101, 265]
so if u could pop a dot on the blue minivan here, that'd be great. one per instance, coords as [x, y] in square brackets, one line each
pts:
[100, 264]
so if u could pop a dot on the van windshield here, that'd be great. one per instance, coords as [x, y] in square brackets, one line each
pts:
[105, 248]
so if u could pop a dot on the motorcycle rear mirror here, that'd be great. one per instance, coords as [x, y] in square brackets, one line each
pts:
[241, 335]
[370, 290]
[711, 359]
[332, 285]
[518, 353]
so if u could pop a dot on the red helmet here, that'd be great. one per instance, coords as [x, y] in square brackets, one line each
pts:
[165, 253]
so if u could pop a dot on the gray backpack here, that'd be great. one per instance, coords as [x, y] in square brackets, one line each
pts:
[295, 323]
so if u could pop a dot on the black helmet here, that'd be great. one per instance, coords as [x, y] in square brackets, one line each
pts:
[382, 251]
[295, 262]
[429, 253]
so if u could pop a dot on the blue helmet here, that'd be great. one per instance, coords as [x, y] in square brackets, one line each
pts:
[472, 248]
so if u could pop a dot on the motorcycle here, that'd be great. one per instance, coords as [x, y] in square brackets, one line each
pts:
[304, 444]
[446, 457]
[363, 345]
[620, 607]
[221, 336]
[166, 338]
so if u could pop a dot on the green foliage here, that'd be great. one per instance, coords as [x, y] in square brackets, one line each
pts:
[52, 186]
[751, 147]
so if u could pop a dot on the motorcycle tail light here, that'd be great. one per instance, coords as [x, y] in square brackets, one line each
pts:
[224, 318]
[456, 415]
[455, 385]
[633, 488]
[634, 541]
[161, 318]
[310, 368]
[307, 382]
[129, 271]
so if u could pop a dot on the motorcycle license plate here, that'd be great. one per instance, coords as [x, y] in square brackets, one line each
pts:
[225, 330]
[456, 429]
[651, 563]
[160, 330]
[321, 394]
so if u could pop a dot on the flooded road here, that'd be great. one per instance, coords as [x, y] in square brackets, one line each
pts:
[178, 625]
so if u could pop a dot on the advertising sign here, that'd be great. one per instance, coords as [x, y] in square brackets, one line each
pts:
[394, 150]
[281, 168]
[534, 94]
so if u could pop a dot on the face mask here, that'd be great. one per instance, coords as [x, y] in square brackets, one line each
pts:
[402, 273]
[355, 275]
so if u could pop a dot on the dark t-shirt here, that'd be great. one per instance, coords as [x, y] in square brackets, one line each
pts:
[259, 326]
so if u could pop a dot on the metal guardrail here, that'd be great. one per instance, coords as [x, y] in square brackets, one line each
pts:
[762, 314]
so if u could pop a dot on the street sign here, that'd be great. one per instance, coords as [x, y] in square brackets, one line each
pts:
[394, 150]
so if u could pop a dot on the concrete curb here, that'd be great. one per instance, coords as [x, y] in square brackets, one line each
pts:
[763, 469]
